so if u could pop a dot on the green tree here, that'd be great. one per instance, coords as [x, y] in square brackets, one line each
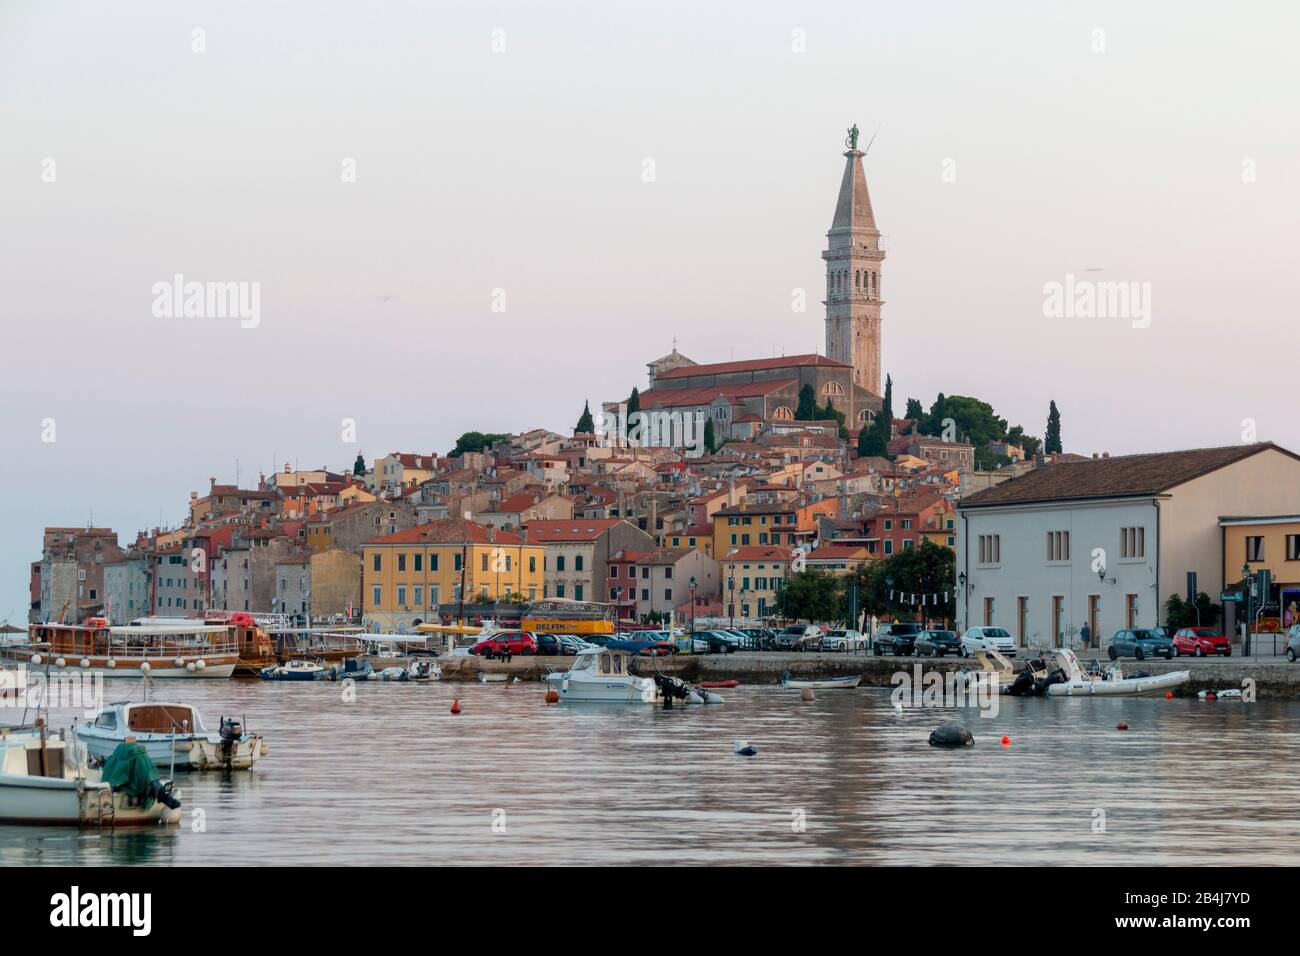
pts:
[633, 403]
[810, 595]
[914, 410]
[927, 569]
[585, 423]
[807, 410]
[359, 466]
[1052, 442]
[710, 439]
[1180, 613]
[475, 441]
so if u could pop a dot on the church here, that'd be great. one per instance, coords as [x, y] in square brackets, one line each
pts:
[743, 397]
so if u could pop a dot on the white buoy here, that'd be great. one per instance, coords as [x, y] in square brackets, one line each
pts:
[61, 662]
[190, 667]
[36, 659]
[85, 662]
[199, 664]
[111, 663]
[179, 662]
[145, 667]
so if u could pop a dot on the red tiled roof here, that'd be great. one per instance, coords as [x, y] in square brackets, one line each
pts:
[572, 529]
[448, 531]
[756, 553]
[1121, 477]
[705, 394]
[749, 365]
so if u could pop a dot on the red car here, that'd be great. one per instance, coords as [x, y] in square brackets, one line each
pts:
[516, 642]
[1200, 641]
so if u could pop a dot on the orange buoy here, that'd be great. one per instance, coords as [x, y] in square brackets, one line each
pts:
[1006, 741]
[807, 694]
[1121, 726]
[455, 706]
[1169, 695]
[552, 696]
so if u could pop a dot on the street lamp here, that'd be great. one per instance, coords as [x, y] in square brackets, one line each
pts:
[692, 588]
[1248, 578]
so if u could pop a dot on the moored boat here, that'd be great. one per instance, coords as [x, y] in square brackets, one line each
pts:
[598, 674]
[172, 735]
[43, 782]
[169, 650]
[295, 670]
[825, 683]
[1068, 679]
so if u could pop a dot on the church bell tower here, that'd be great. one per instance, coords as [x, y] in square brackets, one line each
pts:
[853, 275]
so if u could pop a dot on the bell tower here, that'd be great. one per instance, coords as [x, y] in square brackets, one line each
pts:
[853, 275]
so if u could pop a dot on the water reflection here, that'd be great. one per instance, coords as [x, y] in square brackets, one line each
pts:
[394, 777]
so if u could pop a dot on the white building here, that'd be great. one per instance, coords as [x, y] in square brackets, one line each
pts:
[1106, 541]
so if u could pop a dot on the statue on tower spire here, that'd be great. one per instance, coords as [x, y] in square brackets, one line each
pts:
[852, 141]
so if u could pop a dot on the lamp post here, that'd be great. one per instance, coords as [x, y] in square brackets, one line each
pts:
[1249, 579]
[692, 590]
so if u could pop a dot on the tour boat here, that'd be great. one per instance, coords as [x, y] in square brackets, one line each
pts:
[253, 642]
[1072, 681]
[173, 649]
[172, 735]
[828, 683]
[598, 674]
[42, 782]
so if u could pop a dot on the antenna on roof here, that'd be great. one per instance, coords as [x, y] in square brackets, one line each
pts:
[870, 141]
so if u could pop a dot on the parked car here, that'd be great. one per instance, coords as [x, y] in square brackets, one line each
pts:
[895, 639]
[1293, 643]
[717, 642]
[983, 637]
[844, 639]
[938, 643]
[649, 646]
[551, 645]
[516, 642]
[1200, 641]
[761, 638]
[1141, 643]
[798, 637]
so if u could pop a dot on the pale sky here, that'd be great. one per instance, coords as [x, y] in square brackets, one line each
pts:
[1154, 142]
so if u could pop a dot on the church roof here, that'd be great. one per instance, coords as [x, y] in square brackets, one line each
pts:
[853, 208]
[749, 365]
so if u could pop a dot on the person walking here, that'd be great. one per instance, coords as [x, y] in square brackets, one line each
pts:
[1086, 634]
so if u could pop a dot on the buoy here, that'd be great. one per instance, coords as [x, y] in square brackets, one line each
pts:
[1122, 725]
[36, 659]
[1169, 695]
[145, 667]
[552, 696]
[111, 663]
[455, 706]
[190, 667]
[200, 664]
[61, 662]
[85, 662]
[1006, 741]
[951, 735]
[179, 662]
[745, 749]
[807, 694]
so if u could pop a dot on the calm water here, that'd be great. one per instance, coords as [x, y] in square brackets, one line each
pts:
[395, 778]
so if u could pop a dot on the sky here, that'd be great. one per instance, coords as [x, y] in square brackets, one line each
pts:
[476, 216]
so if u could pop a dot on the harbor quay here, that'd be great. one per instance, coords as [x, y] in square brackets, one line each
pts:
[1273, 677]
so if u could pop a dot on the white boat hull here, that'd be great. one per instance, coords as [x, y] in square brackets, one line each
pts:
[628, 690]
[1125, 687]
[846, 684]
[192, 752]
[219, 669]
[63, 801]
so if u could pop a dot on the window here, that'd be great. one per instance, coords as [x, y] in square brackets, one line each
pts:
[559, 565]
[401, 566]
[419, 565]
[484, 562]
[1058, 546]
[1255, 548]
[577, 592]
[990, 548]
[668, 574]
[1132, 542]
[401, 595]
[375, 565]
[1293, 547]
[577, 562]
[417, 596]
[988, 612]
[433, 562]
[376, 596]
[613, 570]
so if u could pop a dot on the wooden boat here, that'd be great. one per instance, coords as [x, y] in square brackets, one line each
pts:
[173, 735]
[158, 650]
[827, 683]
[329, 644]
[41, 784]
[254, 644]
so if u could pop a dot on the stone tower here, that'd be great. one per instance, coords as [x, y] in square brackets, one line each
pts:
[853, 266]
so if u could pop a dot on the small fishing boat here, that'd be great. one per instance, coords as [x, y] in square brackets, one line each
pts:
[598, 674]
[294, 670]
[424, 670]
[711, 684]
[826, 683]
[172, 735]
[43, 782]
[485, 678]
[393, 673]
[351, 669]
[1069, 679]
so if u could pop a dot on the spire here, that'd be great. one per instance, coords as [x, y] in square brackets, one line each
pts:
[853, 208]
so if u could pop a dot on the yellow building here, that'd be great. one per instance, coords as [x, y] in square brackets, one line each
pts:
[751, 577]
[407, 576]
[1265, 544]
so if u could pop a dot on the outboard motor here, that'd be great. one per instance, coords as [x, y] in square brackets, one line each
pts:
[162, 792]
[671, 688]
[231, 731]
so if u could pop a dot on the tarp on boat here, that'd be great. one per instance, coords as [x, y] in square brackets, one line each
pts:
[129, 769]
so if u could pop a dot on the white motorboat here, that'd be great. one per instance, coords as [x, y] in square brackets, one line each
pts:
[295, 670]
[171, 734]
[829, 683]
[43, 782]
[424, 669]
[1111, 683]
[598, 674]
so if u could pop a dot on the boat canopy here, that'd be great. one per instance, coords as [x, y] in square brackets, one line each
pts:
[154, 630]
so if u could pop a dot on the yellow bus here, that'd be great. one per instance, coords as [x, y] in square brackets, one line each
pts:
[560, 616]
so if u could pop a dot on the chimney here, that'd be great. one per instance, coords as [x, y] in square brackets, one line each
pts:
[491, 532]
[1105, 454]
[523, 534]
[194, 496]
